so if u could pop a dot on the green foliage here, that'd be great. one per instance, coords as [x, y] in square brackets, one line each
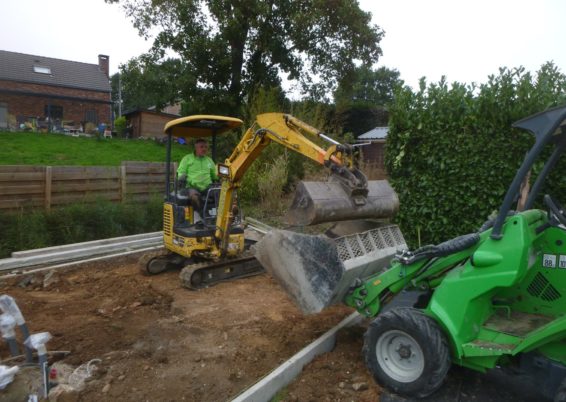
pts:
[25, 229]
[147, 81]
[227, 48]
[56, 149]
[271, 183]
[368, 87]
[362, 99]
[451, 152]
[120, 126]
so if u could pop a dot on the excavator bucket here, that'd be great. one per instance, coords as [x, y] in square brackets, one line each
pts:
[318, 202]
[317, 271]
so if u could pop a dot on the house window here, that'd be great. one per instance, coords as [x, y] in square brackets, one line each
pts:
[41, 70]
[54, 112]
[91, 117]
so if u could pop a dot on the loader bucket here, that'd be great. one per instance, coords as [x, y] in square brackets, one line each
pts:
[318, 202]
[317, 271]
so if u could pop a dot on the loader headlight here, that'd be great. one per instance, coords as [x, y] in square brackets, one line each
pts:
[223, 170]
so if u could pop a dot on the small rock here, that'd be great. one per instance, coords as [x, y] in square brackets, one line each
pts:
[160, 355]
[146, 367]
[147, 300]
[106, 388]
[341, 384]
[24, 283]
[63, 393]
[135, 304]
[360, 386]
[225, 336]
[293, 398]
[121, 378]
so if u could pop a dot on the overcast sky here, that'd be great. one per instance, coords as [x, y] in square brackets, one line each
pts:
[463, 39]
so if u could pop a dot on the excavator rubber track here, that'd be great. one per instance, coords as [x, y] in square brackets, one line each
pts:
[205, 274]
[155, 262]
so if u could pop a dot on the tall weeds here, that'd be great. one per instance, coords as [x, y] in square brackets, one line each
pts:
[29, 229]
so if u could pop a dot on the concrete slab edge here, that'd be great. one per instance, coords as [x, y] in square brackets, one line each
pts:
[73, 263]
[267, 387]
[86, 244]
[66, 255]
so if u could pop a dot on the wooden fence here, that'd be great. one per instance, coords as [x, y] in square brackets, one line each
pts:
[44, 187]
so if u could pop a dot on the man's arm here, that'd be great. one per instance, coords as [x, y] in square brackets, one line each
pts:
[183, 166]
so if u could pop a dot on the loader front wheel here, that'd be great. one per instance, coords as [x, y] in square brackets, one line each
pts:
[407, 352]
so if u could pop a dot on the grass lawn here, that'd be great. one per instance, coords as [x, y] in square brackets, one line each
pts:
[58, 149]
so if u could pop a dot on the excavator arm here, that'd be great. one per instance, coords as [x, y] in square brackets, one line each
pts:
[348, 181]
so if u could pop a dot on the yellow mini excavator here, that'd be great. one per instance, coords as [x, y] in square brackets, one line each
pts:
[213, 249]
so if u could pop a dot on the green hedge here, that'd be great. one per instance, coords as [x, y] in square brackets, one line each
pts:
[28, 229]
[451, 152]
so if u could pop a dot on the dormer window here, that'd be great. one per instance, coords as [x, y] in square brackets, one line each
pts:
[42, 70]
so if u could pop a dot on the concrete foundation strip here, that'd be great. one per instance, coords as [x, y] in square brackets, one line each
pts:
[26, 271]
[75, 246]
[80, 251]
[267, 388]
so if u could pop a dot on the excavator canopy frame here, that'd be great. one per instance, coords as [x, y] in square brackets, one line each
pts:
[196, 126]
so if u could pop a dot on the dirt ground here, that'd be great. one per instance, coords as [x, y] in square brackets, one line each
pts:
[160, 342]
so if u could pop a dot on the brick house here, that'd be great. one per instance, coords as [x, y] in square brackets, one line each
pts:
[44, 93]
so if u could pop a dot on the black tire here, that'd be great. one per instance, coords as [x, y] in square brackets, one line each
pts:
[415, 368]
[560, 395]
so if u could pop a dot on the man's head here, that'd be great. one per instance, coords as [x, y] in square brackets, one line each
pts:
[201, 147]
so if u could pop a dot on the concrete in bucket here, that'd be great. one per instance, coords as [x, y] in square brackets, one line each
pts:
[317, 271]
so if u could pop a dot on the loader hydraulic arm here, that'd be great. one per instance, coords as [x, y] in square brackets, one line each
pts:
[290, 132]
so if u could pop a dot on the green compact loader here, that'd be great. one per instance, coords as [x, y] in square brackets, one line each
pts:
[494, 298]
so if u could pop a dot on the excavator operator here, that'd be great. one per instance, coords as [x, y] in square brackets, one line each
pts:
[196, 173]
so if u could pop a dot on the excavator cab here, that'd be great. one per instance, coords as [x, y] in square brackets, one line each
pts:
[188, 236]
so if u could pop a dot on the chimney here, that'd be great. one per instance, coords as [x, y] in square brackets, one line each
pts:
[104, 64]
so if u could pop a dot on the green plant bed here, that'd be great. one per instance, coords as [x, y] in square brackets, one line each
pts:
[25, 230]
[58, 149]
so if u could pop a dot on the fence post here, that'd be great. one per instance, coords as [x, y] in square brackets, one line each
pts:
[48, 176]
[123, 185]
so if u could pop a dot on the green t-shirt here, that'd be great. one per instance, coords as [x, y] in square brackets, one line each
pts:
[200, 171]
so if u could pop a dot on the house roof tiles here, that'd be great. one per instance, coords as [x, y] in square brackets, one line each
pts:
[20, 67]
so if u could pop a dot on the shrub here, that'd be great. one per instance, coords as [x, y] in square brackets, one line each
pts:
[79, 222]
[120, 126]
[451, 152]
[271, 183]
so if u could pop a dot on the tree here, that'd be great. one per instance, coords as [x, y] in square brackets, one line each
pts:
[362, 100]
[232, 47]
[147, 82]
